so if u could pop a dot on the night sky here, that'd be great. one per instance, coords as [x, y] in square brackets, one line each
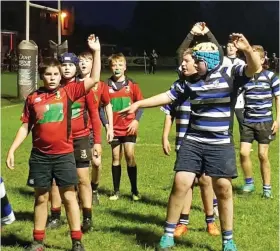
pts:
[147, 24]
[114, 13]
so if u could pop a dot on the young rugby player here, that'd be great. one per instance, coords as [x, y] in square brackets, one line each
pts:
[102, 98]
[258, 123]
[47, 114]
[208, 145]
[181, 113]
[123, 92]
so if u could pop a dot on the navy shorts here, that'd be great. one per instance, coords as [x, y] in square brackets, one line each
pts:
[82, 152]
[123, 139]
[261, 132]
[213, 160]
[43, 168]
[91, 139]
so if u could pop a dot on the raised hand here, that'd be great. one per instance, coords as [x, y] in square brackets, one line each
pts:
[93, 43]
[239, 41]
[199, 29]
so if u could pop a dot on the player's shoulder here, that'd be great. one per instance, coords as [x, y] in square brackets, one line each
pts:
[270, 74]
[131, 80]
[35, 95]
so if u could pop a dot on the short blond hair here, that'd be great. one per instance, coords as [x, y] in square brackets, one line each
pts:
[85, 54]
[183, 52]
[259, 49]
[115, 57]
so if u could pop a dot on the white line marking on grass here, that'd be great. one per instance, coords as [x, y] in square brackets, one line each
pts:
[147, 144]
[10, 106]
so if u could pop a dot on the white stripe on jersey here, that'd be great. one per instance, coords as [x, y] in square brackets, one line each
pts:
[213, 114]
[258, 114]
[167, 112]
[182, 121]
[183, 108]
[210, 128]
[270, 74]
[277, 93]
[210, 141]
[262, 86]
[259, 96]
[212, 86]
[169, 94]
[277, 82]
[180, 134]
[259, 106]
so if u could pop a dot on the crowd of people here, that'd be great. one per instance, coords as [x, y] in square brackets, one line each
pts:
[73, 103]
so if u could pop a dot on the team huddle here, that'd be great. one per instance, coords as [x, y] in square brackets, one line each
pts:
[65, 117]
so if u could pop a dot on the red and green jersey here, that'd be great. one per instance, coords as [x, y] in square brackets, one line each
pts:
[122, 98]
[85, 113]
[101, 97]
[48, 114]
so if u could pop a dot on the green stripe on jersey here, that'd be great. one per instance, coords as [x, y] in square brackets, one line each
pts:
[53, 113]
[120, 103]
[76, 109]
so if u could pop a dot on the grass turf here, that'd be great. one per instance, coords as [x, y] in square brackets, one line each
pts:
[127, 226]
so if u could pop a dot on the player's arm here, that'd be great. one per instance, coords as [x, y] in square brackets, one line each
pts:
[94, 45]
[168, 121]
[252, 59]
[276, 93]
[212, 39]
[20, 137]
[95, 122]
[137, 95]
[102, 116]
[196, 30]
[157, 100]
[105, 98]
[133, 126]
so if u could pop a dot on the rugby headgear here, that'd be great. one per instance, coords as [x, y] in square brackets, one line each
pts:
[69, 58]
[209, 53]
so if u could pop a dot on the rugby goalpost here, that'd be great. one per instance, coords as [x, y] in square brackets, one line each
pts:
[58, 11]
[27, 80]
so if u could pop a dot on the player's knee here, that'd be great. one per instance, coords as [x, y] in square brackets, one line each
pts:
[263, 156]
[42, 198]
[244, 152]
[84, 180]
[68, 196]
[223, 188]
[180, 184]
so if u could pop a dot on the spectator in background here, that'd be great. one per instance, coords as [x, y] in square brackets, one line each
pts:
[273, 63]
[153, 62]
[266, 61]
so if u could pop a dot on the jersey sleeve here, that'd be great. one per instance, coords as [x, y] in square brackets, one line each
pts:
[275, 83]
[94, 117]
[137, 94]
[26, 113]
[75, 90]
[105, 97]
[178, 91]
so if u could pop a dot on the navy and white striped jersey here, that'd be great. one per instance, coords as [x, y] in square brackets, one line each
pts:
[259, 92]
[180, 111]
[212, 103]
[7, 214]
